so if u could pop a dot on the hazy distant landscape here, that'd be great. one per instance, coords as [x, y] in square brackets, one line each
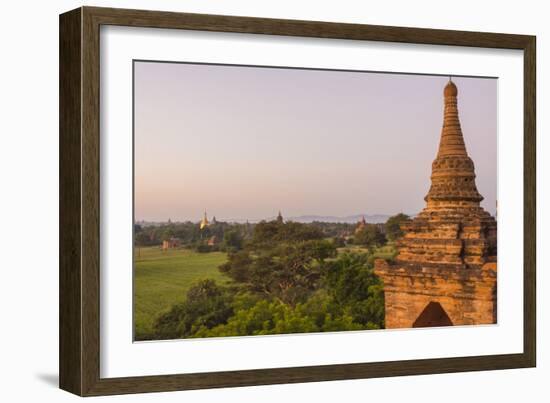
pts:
[351, 219]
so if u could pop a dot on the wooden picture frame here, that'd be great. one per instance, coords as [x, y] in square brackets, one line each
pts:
[80, 198]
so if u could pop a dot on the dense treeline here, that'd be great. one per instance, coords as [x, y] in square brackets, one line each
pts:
[189, 234]
[231, 236]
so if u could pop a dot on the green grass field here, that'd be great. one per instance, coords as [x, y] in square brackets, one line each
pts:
[162, 279]
[384, 252]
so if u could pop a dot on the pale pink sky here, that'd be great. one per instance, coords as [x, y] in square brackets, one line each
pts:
[245, 142]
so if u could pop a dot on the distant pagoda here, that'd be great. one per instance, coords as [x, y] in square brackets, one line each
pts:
[445, 270]
[204, 222]
[361, 225]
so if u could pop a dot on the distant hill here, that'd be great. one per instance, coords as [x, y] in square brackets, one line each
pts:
[370, 218]
[351, 219]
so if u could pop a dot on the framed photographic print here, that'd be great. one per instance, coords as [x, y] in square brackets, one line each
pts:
[249, 201]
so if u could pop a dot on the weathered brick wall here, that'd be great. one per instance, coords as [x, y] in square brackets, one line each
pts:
[468, 299]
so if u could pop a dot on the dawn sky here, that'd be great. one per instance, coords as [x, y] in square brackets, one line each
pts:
[246, 142]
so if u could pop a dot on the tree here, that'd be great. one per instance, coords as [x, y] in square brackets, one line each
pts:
[206, 305]
[393, 226]
[142, 239]
[168, 233]
[282, 261]
[339, 242]
[287, 272]
[318, 314]
[352, 283]
[232, 240]
[269, 234]
[370, 236]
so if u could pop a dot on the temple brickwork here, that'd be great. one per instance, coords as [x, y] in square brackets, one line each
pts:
[446, 267]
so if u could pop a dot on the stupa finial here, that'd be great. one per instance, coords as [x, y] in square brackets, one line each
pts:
[452, 141]
[453, 175]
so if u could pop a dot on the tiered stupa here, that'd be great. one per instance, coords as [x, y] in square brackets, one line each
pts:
[445, 270]
[361, 225]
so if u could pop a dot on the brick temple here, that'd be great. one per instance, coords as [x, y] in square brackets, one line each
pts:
[446, 268]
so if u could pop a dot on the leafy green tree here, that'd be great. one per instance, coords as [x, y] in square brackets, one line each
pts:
[232, 240]
[393, 226]
[167, 233]
[268, 234]
[318, 314]
[259, 319]
[282, 261]
[207, 305]
[371, 236]
[339, 242]
[354, 286]
[142, 239]
[202, 247]
[287, 272]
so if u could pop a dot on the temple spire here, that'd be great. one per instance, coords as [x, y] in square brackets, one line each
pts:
[204, 222]
[444, 272]
[452, 141]
[453, 174]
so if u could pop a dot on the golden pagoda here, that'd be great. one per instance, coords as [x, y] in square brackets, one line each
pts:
[204, 222]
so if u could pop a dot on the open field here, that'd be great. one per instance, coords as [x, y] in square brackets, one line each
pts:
[384, 252]
[163, 278]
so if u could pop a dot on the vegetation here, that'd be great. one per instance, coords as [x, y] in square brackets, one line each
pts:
[162, 279]
[191, 236]
[283, 262]
[233, 240]
[393, 229]
[277, 278]
[370, 236]
[206, 306]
